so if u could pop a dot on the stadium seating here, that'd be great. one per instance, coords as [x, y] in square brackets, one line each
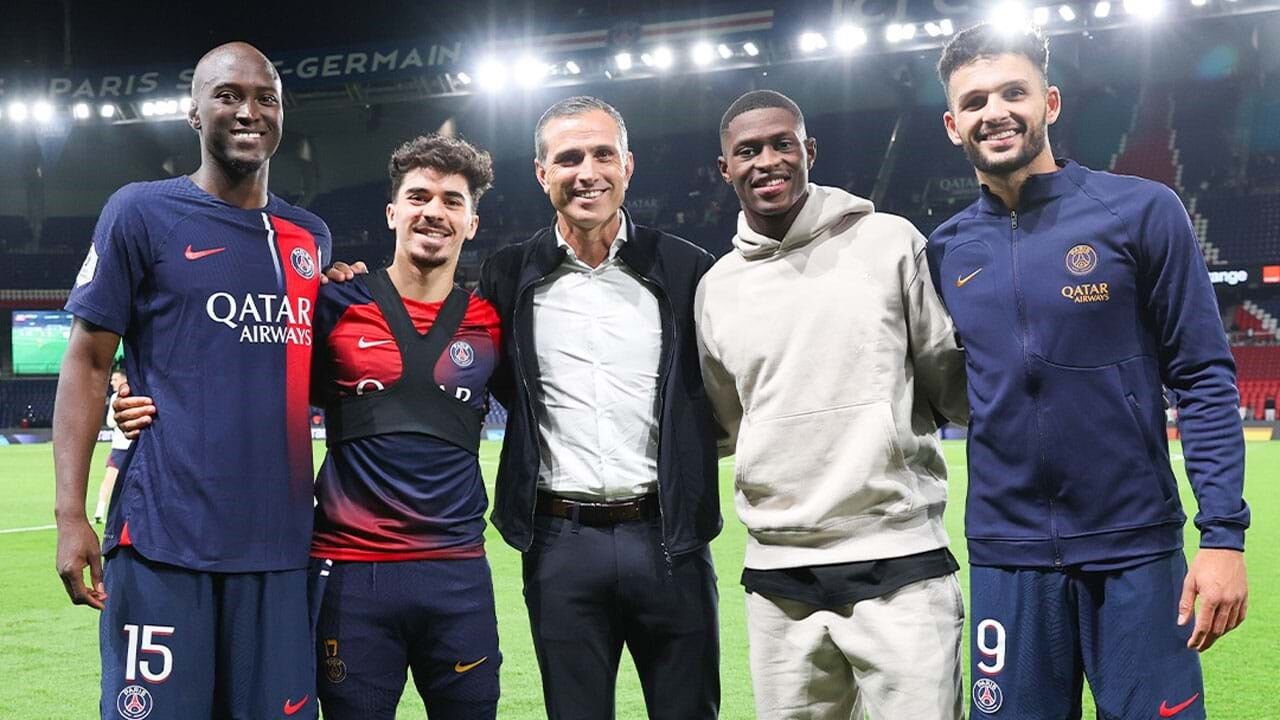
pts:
[30, 400]
[67, 234]
[15, 232]
[1258, 370]
[1245, 228]
[1147, 149]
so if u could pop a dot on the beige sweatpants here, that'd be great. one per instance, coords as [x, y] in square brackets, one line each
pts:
[895, 657]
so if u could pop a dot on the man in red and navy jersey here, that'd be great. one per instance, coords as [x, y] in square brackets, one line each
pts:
[212, 283]
[402, 368]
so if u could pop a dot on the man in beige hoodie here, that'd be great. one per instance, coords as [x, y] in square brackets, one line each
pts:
[828, 359]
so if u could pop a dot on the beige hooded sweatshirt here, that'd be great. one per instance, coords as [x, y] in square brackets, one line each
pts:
[826, 356]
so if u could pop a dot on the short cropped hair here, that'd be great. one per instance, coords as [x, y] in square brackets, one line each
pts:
[572, 107]
[986, 40]
[447, 155]
[759, 100]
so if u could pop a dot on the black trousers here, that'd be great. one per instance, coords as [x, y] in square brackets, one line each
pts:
[591, 590]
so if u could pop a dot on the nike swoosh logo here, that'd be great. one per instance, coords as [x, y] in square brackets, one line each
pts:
[197, 254]
[458, 667]
[291, 708]
[366, 344]
[1168, 712]
[960, 281]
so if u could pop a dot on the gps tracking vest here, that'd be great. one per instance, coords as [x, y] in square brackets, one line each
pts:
[414, 403]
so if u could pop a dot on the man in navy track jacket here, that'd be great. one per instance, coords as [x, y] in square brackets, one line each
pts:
[1079, 296]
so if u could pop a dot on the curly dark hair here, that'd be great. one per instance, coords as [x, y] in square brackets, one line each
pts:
[986, 40]
[443, 154]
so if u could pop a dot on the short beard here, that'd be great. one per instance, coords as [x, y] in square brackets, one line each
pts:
[242, 168]
[1030, 151]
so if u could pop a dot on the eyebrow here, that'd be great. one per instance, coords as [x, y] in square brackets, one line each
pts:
[1016, 82]
[417, 189]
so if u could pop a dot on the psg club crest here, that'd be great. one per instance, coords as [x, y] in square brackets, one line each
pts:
[134, 703]
[462, 354]
[334, 669]
[1081, 260]
[303, 263]
[987, 695]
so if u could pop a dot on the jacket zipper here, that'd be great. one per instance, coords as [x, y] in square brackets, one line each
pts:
[1026, 365]
[663, 374]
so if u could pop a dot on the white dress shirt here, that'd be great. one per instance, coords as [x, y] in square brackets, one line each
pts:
[598, 337]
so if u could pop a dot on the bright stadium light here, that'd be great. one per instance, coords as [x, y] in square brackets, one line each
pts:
[750, 48]
[1102, 9]
[933, 29]
[80, 111]
[703, 54]
[572, 67]
[1199, 3]
[106, 112]
[1145, 9]
[1040, 16]
[184, 104]
[491, 75]
[18, 112]
[1066, 13]
[646, 59]
[1010, 17]
[812, 42]
[896, 33]
[42, 112]
[850, 37]
[463, 78]
[148, 109]
[623, 61]
[529, 71]
[725, 51]
[947, 27]
[663, 58]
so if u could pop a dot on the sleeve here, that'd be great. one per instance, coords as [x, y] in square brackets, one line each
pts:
[937, 360]
[722, 391]
[111, 416]
[329, 310]
[118, 261]
[502, 382]
[1196, 363]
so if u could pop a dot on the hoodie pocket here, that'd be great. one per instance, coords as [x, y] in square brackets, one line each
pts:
[1148, 443]
[822, 469]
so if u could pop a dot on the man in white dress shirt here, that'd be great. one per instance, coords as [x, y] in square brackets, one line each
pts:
[608, 478]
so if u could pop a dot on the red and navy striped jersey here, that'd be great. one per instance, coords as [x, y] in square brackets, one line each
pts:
[215, 304]
[398, 496]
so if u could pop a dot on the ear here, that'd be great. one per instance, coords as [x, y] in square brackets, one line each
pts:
[540, 172]
[628, 170]
[391, 216]
[1053, 103]
[949, 121]
[723, 166]
[472, 227]
[193, 117]
[811, 150]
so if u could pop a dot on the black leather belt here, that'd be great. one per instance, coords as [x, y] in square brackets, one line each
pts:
[644, 507]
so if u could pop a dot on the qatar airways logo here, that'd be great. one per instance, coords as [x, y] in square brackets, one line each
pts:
[263, 317]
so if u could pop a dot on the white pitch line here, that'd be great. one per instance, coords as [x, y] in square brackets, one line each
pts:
[28, 529]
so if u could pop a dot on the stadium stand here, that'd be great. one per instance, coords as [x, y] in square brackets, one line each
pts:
[28, 402]
[15, 232]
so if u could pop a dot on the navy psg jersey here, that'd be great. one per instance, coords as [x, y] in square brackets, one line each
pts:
[398, 496]
[216, 305]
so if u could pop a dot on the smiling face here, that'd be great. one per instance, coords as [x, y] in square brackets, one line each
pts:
[586, 169]
[767, 159]
[1000, 113]
[432, 214]
[236, 108]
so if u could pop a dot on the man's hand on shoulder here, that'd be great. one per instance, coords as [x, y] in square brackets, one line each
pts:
[132, 414]
[1218, 577]
[342, 272]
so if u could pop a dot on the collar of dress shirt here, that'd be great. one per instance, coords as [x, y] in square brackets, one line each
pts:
[618, 240]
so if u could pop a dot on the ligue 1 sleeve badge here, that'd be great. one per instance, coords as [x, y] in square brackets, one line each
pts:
[987, 695]
[303, 263]
[134, 703]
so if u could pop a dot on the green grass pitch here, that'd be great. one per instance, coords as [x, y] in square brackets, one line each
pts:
[48, 648]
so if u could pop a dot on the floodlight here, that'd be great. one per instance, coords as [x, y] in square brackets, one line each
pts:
[81, 111]
[1066, 13]
[18, 112]
[491, 75]
[850, 37]
[623, 61]
[750, 49]
[812, 42]
[703, 54]
[1102, 9]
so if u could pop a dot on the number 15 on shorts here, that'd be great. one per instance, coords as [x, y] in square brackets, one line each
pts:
[146, 640]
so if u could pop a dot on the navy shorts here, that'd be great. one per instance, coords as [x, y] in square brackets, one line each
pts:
[1037, 634]
[377, 620]
[116, 458]
[179, 643]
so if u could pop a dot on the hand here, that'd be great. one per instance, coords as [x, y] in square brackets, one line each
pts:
[78, 546]
[1218, 576]
[132, 414]
[342, 272]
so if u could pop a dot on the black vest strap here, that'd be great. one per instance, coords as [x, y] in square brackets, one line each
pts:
[414, 403]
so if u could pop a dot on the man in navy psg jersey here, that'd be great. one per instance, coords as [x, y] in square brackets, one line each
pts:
[212, 283]
[402, 366]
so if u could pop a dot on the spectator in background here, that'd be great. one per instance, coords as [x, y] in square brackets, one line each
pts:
[119, 448]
